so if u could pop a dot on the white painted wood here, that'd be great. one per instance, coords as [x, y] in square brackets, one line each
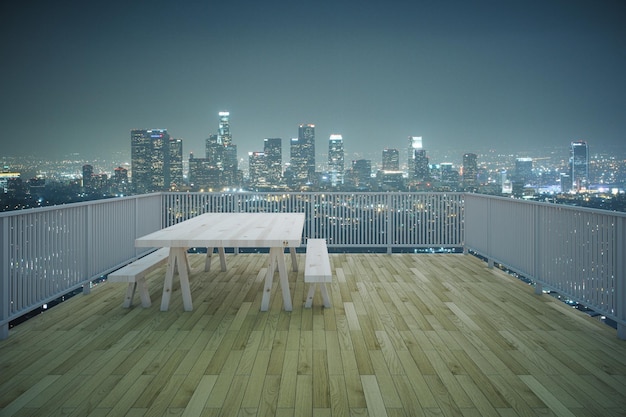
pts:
[317, 270]
[270, 230]
[134, 274]
[207, 261]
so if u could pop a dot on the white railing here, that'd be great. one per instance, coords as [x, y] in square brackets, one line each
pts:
[364, 220]
[580, 253]
[47, 252]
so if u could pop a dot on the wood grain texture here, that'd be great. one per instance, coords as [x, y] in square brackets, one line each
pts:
[407, 335]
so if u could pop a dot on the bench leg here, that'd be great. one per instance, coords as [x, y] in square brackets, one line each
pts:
[144, 294]
[325, 297]
[130, 293]
[310, 295]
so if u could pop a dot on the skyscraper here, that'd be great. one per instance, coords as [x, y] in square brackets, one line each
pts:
[470, 171]
[140, 155]
[306, 136]
[391, 160]
[579, 165]
[415, 144]
[223, 131]
[302, 156]
[273, 150]
[153, 162]
[175, 165]
[336, 164]
[257, 163]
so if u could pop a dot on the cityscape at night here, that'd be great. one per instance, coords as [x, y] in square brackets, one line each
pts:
[317, 209]
[155, 161]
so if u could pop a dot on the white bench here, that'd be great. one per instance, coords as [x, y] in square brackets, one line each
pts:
[317, 270]
[135, 273]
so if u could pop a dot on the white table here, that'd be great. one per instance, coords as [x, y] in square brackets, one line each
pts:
[219, 230]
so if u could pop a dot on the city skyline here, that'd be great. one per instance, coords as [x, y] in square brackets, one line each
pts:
[465, 76]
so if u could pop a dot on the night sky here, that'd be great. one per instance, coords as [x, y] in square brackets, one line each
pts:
[465, 75]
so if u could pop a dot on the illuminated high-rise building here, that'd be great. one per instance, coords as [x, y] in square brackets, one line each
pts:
[470, 171]
[153, 163]
[140, 155]
[579, 165]
[306, 137]
[223, 132]
[362, 173]
[273, 150]
[302, 156]
[414, 151]
[257, 164]
[336, 164]
[87, 177]
[175, 164]
[391, 160]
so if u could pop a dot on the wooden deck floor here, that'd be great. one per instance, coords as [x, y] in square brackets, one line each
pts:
[408, 335]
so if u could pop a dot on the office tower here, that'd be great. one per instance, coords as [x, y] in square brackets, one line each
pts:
[336, 160]
[362, 173]
[150, 160]
[449, 175]
[302, 157]
[223, 132]
[579, 165]
[221, 159]
[415, 144]
[273, 150]
[523, 171]
[203, 175]
[306, 137]
[422, 170]
[140, 150]
[87, 177]
[470, 171]
[175, 165]
[257, 169]
[214, 151]
[120, 181]
[391, 160]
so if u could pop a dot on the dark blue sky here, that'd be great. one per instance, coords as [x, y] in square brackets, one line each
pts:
[466, 75]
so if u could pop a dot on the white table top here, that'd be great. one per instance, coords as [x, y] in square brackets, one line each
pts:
[230, 230]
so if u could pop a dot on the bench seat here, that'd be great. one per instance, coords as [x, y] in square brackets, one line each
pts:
[135, 273]
[317, 270]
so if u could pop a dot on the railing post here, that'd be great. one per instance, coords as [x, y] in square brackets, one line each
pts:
[538, 249]
[620, 277]
[388, 232]
[5, 296]
[88, 241]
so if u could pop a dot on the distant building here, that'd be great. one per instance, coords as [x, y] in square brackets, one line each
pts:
[391, 160]
[470, 171]
[302, 157]
[273, 150]
[415, 144]
[220, 155]
[204, 175]
[336, 160]
[153, 163]
[258, 170]
[579, 165]
[175, 165]
[88, 177]
[361, 173]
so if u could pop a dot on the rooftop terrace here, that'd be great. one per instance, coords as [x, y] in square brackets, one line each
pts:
[408, 335]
